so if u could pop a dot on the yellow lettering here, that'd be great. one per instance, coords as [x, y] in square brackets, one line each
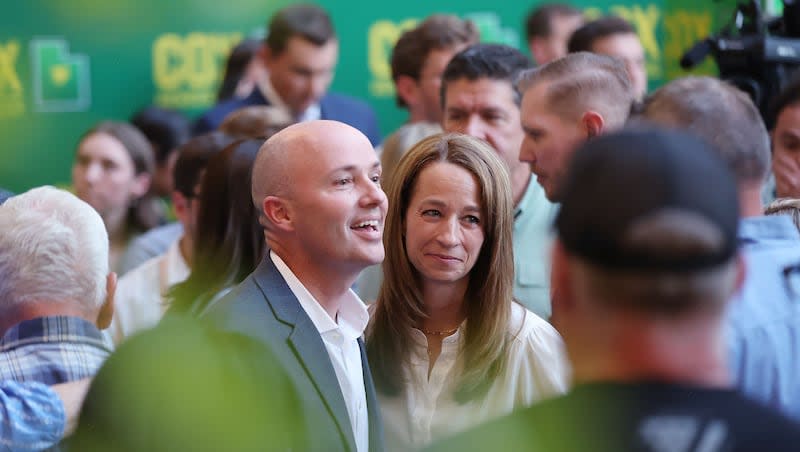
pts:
[381, 38]
[646, 22]
[8, 62]
[168, 61]
[194, 61]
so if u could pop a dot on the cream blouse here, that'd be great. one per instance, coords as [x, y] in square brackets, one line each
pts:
[426, 411]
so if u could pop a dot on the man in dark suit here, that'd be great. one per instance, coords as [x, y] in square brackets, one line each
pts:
[316, 186]
[299, 55]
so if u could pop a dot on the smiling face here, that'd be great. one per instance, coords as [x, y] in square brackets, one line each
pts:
[443, 224]
[336, 202]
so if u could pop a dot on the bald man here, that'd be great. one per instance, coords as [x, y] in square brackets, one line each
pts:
[316, 187]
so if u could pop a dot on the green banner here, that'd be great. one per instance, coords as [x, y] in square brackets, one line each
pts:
[66, 65]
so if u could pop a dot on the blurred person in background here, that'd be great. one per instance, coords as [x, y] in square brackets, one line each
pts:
[228, 242]
[141, 293]
[113, 170]
[548, 28]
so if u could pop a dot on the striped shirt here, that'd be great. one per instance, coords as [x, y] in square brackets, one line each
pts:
[52, 350]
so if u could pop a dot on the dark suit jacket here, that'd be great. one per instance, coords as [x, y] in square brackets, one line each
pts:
[264, 307]
[332, 106]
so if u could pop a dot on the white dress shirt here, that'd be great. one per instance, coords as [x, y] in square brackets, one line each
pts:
[426, 410]
[313, 112]
[341, 341]
[140, 302]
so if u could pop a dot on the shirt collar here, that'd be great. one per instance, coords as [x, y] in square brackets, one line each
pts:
[767, 227]
[352, 317]
[52, 329]
[313, 112]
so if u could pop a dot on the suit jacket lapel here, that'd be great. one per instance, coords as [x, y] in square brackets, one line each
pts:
[307, 344]
[375, 421]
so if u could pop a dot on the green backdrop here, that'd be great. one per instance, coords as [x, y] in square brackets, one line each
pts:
[65, 65]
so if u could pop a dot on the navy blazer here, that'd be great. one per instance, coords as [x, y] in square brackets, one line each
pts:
[264, 307]
[332, 106]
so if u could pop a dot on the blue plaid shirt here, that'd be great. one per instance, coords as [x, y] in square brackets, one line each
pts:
[52, 350]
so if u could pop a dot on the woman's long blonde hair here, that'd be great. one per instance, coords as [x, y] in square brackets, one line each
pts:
[488, 298]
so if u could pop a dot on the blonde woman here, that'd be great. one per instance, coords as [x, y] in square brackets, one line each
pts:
[447, 345]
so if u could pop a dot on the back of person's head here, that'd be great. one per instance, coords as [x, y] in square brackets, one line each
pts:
[785, 206]
[165, 130]
[581, 82]
[257, 121]
[307, 21]
[583, 39]
[437, 32]
[491, 61]
[643, 230]
[185, 387]
[193, 156]
[539, 22]
[144, 212]
[719, 113]
[236, 67]
[53, 250]
[229, 241]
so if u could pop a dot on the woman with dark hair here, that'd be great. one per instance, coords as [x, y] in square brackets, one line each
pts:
[228, 242]
[241, 70]
[112, 172]
[448, 346]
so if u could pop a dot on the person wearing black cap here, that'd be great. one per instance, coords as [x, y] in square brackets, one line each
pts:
[763, 324]
[644, 264]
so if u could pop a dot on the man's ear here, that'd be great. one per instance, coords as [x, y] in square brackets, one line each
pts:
[535, 47]
[181, 206]
[278, 212]
[140, 185]
[593, 122]
[107, 309]
[407, 89]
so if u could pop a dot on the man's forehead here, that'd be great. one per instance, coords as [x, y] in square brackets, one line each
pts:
[484, 89]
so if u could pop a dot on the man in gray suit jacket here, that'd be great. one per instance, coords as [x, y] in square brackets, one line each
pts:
[316, 186]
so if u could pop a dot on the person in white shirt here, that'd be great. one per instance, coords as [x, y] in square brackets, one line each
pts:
[316, 187]
[448, 346]
[141, 293]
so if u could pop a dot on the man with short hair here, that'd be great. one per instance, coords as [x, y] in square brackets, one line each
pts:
[418, 61]
[616, 37]
[56, 291]
[299, 55]
[764, 322]
[645, 263]
[316, 187]
[565, 103]
[142, 293]
[548, 28]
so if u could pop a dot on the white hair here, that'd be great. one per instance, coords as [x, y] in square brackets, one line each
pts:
[53, 248]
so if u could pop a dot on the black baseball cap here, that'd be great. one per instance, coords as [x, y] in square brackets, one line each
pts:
[649, 199]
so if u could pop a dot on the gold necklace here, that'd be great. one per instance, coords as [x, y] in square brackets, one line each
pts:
[439, 333]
